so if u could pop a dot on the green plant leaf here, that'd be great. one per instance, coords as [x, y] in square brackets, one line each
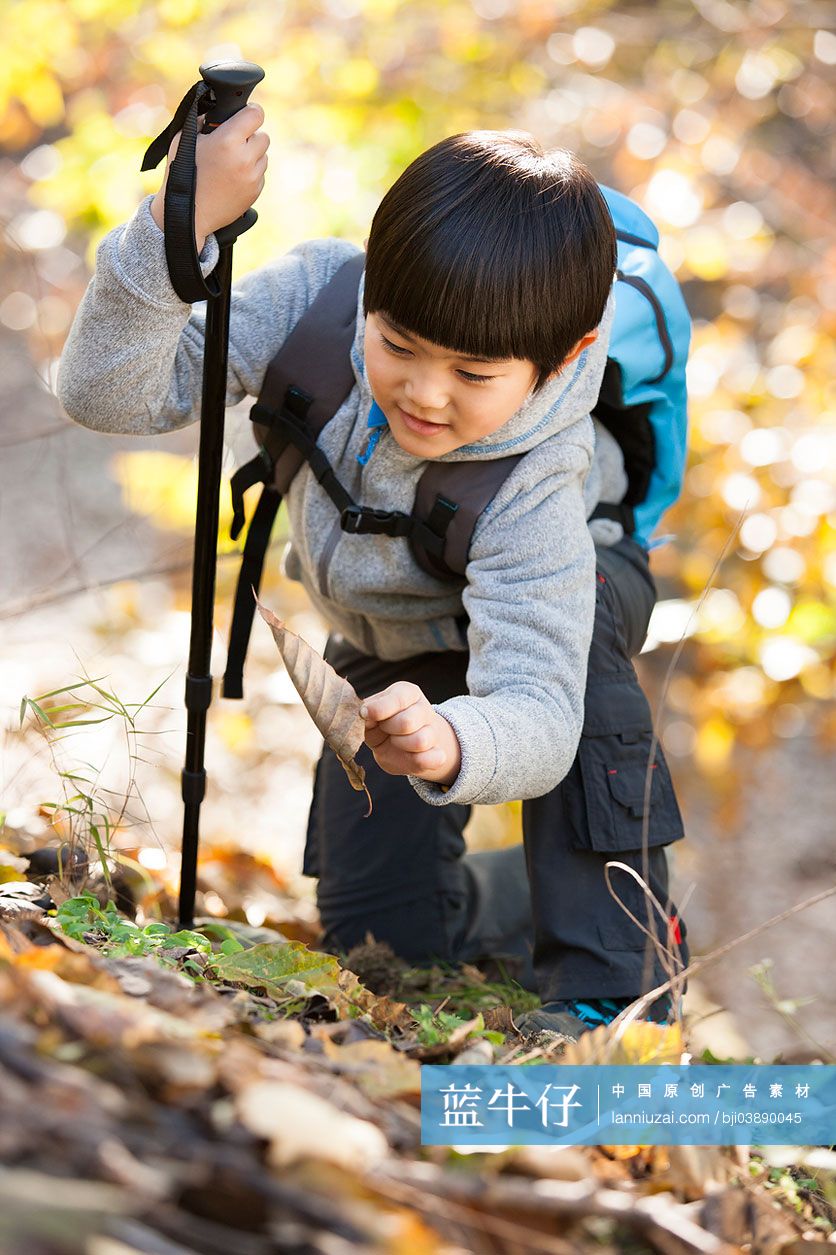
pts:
[156, 929]
[69, 688]
[78, 723]
[79, 915]
[42, 715]
[271, 965]
[187, 937]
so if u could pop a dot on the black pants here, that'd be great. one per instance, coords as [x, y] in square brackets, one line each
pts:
[402, 874]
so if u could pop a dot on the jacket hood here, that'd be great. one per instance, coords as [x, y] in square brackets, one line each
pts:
[559, 403]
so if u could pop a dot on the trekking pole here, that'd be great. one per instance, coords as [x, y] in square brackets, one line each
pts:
[224, 89]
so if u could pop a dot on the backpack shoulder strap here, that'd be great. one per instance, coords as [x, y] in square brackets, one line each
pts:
[468, 487]
[308, 379]
[315, 359]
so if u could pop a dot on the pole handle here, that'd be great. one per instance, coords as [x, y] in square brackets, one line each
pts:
[232, 83]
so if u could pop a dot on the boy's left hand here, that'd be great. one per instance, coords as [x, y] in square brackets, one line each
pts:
[408, 737]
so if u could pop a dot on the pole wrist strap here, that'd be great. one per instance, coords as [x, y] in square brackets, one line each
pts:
[180, 244]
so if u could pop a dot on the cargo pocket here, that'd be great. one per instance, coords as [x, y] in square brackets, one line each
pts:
[618, 931]
[605, 788]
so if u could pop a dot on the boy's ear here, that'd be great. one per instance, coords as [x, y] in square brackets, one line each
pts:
[583, 343]
[366, 245]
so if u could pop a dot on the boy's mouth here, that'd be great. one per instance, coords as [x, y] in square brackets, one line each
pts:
[420, 425]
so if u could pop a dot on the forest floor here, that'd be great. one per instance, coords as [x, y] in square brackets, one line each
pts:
[229, 1090]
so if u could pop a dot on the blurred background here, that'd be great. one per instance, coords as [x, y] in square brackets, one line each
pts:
[717, 117]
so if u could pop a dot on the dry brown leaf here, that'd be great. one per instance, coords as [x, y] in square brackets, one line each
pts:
[555, 1163]
[478, 1053]
[381, 1071]
[105, 1019]
[383, 1012]
[623, 1152]
[288, 1034]
[690, 1171]
[329, 700]
[301, 1125]
[499, 1019]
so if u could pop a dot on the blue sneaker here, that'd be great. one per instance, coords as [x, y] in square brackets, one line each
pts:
[572, 1017]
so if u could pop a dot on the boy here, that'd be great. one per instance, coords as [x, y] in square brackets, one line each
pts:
[482, 327]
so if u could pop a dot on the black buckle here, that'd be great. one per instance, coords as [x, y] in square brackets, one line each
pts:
[297, 402]
[361, 518]
[262, 415]
[293, 412]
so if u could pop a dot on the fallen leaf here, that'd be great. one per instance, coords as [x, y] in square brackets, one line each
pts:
[691, 1171]
[168, 990]
[103, 1018]
[383, 1012]
[478, 1053]
[555, 1163]
[623, 1152]
[17, 897]
[329, 700]
[272, 966]
[381, 1071]
[300, 1125]
[57, 890]
[177, 1069]
[498, 1019]
[77, 969]
[288, 1034]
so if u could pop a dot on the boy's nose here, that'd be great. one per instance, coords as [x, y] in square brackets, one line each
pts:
[426, 392]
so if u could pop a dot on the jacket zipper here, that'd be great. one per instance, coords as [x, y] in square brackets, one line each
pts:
[329, 546]
[322, 568]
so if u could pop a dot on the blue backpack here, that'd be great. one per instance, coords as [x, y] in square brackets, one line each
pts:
[642, 403]
[643, 399]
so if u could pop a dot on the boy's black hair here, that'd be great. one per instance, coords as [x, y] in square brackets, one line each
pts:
[493, 248]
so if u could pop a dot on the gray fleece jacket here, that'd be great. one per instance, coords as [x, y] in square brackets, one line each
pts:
[132, 363]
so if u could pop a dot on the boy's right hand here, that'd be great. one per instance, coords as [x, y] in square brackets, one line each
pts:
[230, 162]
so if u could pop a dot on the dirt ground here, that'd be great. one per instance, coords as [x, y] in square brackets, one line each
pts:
[65, 526]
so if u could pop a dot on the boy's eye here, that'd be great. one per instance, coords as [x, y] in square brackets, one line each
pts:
[404, 352]
[393, 348]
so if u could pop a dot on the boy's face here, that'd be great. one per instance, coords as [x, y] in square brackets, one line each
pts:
[437, 401]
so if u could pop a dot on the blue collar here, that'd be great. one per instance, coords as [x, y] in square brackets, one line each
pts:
[377, 420]
[376, 416]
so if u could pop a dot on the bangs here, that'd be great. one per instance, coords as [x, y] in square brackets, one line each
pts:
[492, 250]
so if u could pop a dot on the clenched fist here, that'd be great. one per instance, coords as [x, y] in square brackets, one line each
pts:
[230, 163]
[408, 737]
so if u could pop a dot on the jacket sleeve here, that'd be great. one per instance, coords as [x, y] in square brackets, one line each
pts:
[530, 597]
[133, 360]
